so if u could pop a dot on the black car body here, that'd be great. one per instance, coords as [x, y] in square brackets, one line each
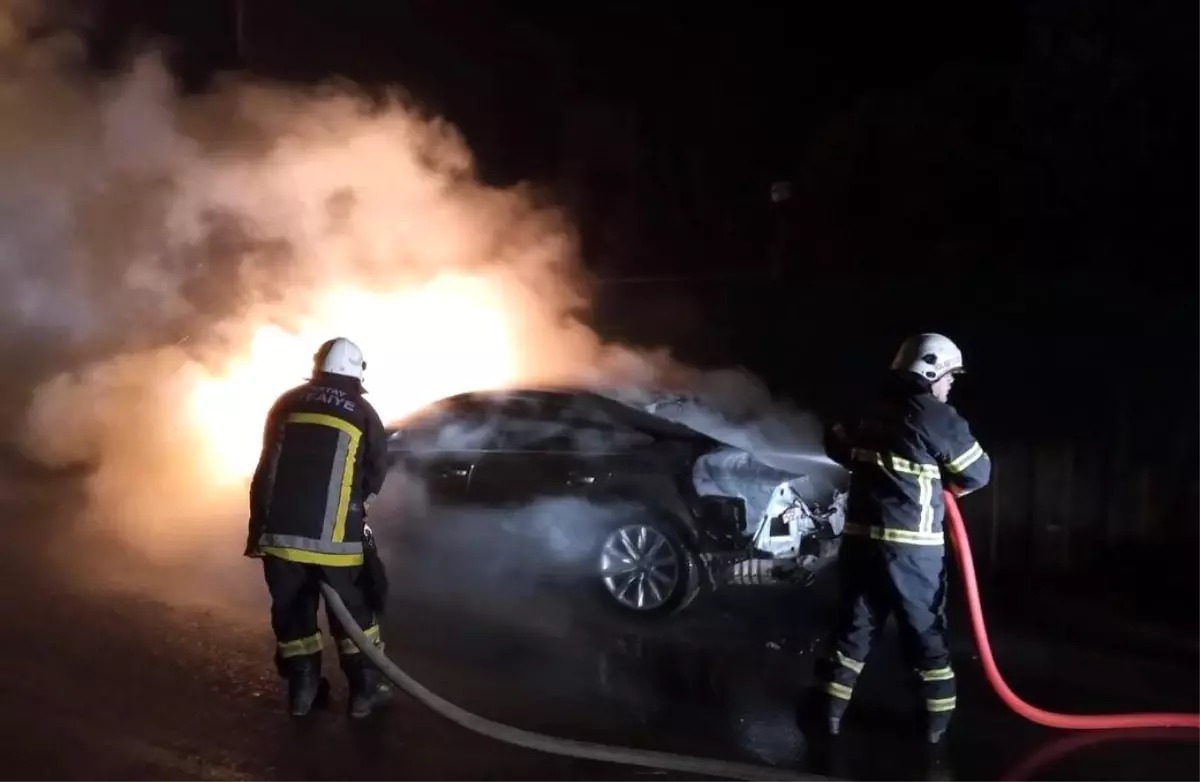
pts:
[691, 512]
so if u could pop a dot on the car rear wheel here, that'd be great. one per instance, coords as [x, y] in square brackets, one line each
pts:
[645, 570]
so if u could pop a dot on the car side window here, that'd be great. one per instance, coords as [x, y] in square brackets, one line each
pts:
[567, 432]
[598, 438]
[458, 424]
[525, 432]
[473, 422]
[596, 431]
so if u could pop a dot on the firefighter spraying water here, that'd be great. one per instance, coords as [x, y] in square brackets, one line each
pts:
[909, 444]
[911, 456]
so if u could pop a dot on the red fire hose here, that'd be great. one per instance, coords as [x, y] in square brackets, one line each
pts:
[962, 548]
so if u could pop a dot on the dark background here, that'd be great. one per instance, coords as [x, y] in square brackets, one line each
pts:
[1020, 176]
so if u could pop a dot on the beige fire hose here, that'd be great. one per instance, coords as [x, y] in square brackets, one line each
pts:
[539, 742]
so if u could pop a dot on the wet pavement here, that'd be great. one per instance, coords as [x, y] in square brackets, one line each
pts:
[105, 685]
[727, 681]
[106, 678]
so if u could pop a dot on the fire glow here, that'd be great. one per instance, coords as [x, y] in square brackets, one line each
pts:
[423, 343]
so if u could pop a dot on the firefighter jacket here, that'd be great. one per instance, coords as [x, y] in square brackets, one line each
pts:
[324, 453]
[901, 455]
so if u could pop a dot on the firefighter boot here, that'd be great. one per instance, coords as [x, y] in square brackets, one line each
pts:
[935, 727]
[821, 713]
[936, 761]
[835, 709]
[304, 683]
[368, 689]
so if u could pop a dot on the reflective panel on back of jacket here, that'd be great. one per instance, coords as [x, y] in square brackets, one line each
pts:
[324, 452]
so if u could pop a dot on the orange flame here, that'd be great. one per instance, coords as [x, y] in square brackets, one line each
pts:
[421, 344]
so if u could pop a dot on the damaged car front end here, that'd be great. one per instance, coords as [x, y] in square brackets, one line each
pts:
[789, 530]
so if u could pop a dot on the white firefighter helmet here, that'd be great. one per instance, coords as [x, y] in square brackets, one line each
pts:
[340, 356]
[932, 356]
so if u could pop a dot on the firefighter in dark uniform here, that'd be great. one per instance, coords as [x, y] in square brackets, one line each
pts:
[323, 459]
[909, 446]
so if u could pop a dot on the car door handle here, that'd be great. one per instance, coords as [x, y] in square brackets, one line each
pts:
[454, 472]
[576, 479]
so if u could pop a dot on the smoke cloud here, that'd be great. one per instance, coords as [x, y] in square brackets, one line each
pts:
[168, 264]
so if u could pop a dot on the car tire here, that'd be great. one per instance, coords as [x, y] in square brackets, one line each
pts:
[644, 571]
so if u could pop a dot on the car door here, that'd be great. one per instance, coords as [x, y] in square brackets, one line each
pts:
[543, 451]
[442, 447]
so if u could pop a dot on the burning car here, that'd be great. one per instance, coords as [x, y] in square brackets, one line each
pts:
[685, 512]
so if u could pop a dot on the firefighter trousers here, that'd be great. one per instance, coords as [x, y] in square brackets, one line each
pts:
[295, 600]
[880, 579]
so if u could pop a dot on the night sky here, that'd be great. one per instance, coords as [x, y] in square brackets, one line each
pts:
[1020, 176]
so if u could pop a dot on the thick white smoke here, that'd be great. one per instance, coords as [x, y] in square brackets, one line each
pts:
[168, 264]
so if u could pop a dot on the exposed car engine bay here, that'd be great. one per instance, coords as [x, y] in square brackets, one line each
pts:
[794, 499]
[791, 535]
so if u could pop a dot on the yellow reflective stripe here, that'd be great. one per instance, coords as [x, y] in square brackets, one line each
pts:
[897, 463]
[940, 704]
[314, 557]
[839, 690]
[320, 419]
[863, 455]
[301, 542]
[925, 503]
[339, 528]
[937, 674]
[347, 477]
[347, 645]
[914, 468]
[969, 457]
[911, 537]
[925, 474]
[849, 662]
[301, 646]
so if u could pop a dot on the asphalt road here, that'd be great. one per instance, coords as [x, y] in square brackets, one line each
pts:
[133, 671]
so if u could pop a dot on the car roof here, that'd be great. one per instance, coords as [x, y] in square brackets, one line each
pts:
[574, 397]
